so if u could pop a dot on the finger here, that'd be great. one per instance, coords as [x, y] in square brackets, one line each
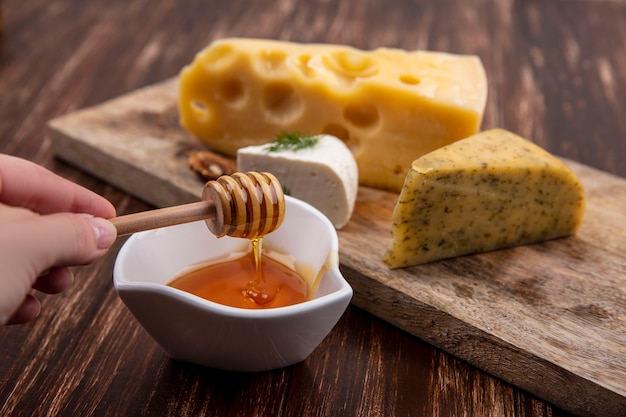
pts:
[25, 184]
[66, 239]
[27, 311]
[54, 281]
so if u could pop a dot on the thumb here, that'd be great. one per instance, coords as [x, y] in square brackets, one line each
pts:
[67, 239]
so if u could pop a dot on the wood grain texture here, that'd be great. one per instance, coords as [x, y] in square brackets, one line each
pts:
[556, 74]
[556, 309]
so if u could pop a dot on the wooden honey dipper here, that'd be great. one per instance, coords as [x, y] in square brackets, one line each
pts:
[246, 205]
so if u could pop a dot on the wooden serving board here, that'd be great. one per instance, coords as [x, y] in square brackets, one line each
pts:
[549, 318]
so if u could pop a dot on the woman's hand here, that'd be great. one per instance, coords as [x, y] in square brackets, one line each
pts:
[47, 224]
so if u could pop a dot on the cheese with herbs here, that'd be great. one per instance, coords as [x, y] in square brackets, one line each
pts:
[494, 190]
[388, 105]
[317, 169]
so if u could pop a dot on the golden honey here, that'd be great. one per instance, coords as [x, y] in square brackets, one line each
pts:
[238, 283]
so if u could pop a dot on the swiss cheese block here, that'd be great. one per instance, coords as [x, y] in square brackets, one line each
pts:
[324, 175]
[388, 105]
[494, 190]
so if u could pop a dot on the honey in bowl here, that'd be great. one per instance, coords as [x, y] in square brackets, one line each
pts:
[237, 282]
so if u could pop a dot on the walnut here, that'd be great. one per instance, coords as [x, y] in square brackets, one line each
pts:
[210, 165]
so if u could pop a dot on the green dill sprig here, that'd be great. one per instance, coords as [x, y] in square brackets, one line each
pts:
[286, 141]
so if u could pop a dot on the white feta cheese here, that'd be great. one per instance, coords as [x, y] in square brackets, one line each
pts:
[324, 175]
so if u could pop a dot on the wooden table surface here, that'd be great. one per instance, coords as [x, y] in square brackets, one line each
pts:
[557, 75]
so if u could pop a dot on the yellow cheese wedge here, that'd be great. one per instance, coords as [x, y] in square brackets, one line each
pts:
[388, 105]
[494, 190]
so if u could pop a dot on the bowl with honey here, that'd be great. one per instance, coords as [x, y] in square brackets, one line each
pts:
[231, 303]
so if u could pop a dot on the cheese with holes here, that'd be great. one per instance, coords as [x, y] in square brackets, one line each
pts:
[491, 191]
[388, 105]
[324, 175]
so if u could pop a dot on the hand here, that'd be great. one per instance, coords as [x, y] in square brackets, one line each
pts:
[47, 224]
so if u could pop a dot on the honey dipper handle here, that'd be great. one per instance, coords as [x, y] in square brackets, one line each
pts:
[169, 216]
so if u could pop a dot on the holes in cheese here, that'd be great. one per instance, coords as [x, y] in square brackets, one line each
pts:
[388, 105]
[271, 61]
[220, 57]
[281, 102]
[200, 111]
[409, 79]
[490, 191]
[361, 115]
[350, 64]
[301, 63]
[231, 91]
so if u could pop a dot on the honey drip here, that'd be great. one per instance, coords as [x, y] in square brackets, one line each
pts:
[256, 290]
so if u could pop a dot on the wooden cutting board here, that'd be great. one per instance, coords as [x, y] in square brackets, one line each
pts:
[549, 318]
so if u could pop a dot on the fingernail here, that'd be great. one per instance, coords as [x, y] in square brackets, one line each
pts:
[104, 230]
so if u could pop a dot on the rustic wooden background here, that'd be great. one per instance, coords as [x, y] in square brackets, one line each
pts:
[557, 75]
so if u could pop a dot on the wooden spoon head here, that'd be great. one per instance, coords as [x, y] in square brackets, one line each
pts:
[248, 205]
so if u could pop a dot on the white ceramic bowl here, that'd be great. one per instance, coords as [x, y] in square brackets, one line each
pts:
[192, 329]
